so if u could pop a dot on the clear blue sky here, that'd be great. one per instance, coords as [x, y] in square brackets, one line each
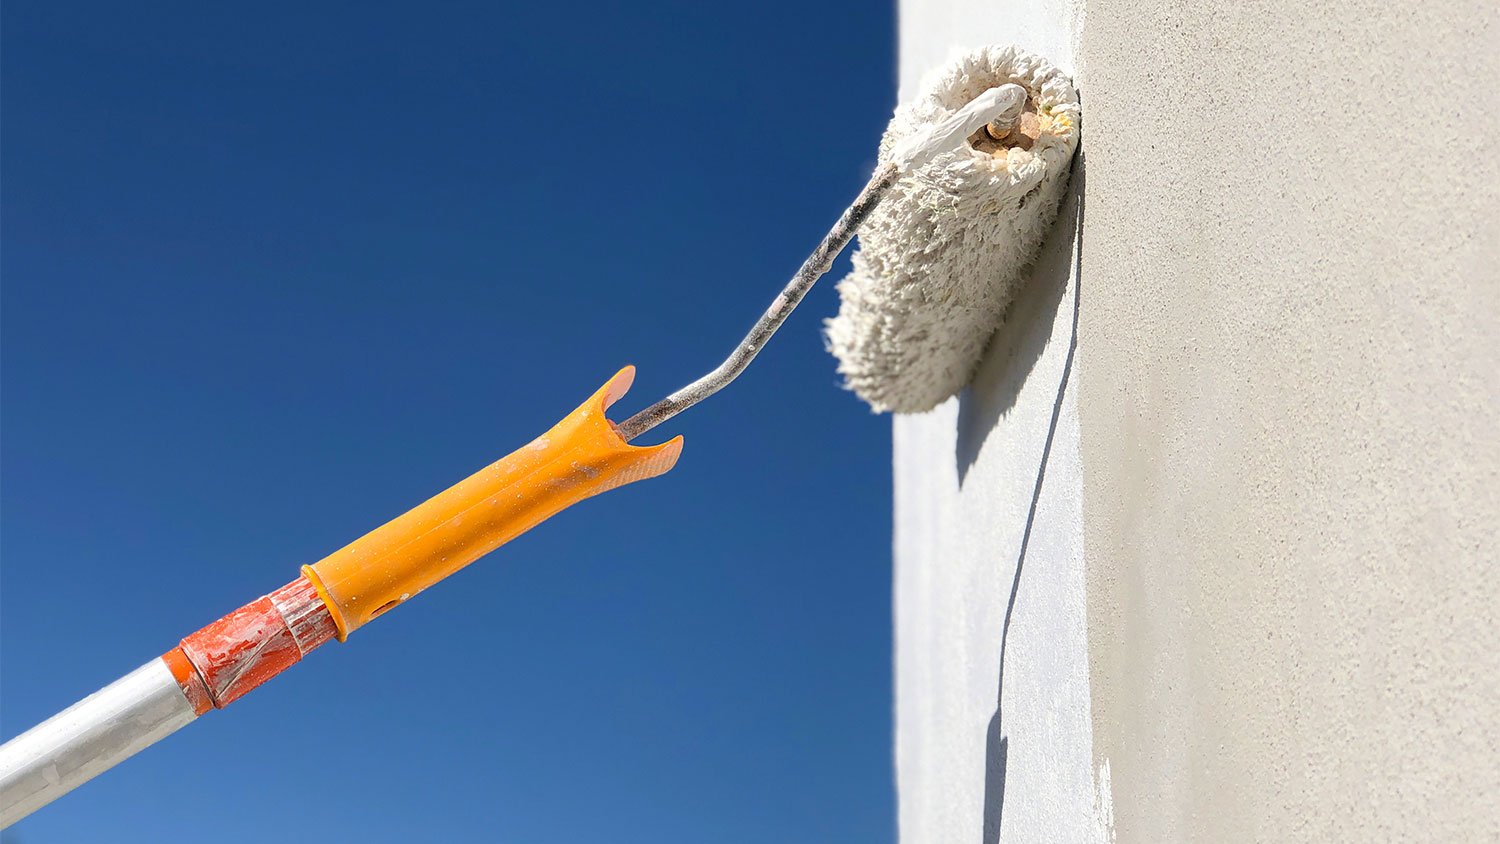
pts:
[274, 273]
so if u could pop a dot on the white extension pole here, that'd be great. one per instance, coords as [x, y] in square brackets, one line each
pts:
[209, 669]
[91, 736]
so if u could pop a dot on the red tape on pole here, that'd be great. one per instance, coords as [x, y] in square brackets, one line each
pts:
[222, 662]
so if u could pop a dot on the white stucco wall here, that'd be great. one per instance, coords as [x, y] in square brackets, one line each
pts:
[993, 726]
[1255, 512]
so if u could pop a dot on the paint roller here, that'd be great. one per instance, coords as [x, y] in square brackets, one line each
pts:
[969, 177]
[941, 259]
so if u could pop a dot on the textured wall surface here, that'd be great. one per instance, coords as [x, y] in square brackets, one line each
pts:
[1228, 571]
[1290, 408]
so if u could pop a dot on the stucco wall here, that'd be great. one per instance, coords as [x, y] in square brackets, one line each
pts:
[993, 726]
[1256, 512]
[1290, 407]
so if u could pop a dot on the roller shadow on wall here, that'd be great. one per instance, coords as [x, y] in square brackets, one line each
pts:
[1062, 254]
[1019, 342]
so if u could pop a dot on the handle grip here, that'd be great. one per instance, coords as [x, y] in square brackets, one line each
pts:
[583, 455]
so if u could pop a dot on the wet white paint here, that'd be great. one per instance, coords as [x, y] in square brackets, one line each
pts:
[993, 746]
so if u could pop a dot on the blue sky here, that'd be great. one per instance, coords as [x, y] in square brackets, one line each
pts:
[273, 274]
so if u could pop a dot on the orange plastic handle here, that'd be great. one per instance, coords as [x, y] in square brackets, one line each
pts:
[581, 456]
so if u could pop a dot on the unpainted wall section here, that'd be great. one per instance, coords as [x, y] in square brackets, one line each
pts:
[1290, 407]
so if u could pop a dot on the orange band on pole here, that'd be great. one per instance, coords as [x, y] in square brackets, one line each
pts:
[580, 457]
[188, 680]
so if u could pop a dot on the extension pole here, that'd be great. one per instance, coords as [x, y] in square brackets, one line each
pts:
[211, 668]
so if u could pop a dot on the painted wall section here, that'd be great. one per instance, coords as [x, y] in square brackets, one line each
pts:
[1290, 406]
[993, 730]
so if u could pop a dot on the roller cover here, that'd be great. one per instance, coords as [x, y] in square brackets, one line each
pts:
[941, 258]
[581, 456]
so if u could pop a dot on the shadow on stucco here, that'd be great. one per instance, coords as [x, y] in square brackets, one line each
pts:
[1019, 342]
[1064, 252]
